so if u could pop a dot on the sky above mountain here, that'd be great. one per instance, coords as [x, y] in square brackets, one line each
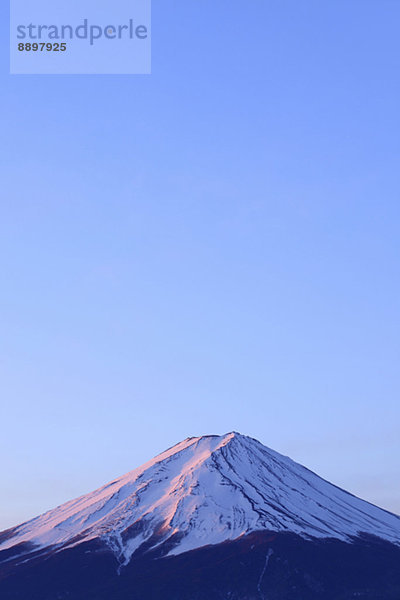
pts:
[213, 247]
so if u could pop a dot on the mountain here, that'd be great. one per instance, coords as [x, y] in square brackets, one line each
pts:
[212, 517]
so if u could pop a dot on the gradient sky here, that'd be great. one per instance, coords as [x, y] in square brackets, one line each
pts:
[214, 247]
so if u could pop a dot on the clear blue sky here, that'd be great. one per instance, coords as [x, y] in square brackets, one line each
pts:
[214, 247]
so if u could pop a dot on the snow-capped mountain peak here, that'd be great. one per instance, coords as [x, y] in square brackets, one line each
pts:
[206, 490]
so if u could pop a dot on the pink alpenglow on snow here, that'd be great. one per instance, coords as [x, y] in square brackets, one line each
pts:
[206, 490]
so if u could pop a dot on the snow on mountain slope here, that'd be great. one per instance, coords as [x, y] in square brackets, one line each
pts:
[204, 491]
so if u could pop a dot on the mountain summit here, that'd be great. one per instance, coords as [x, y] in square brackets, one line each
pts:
[204, 490]
[212, 518]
